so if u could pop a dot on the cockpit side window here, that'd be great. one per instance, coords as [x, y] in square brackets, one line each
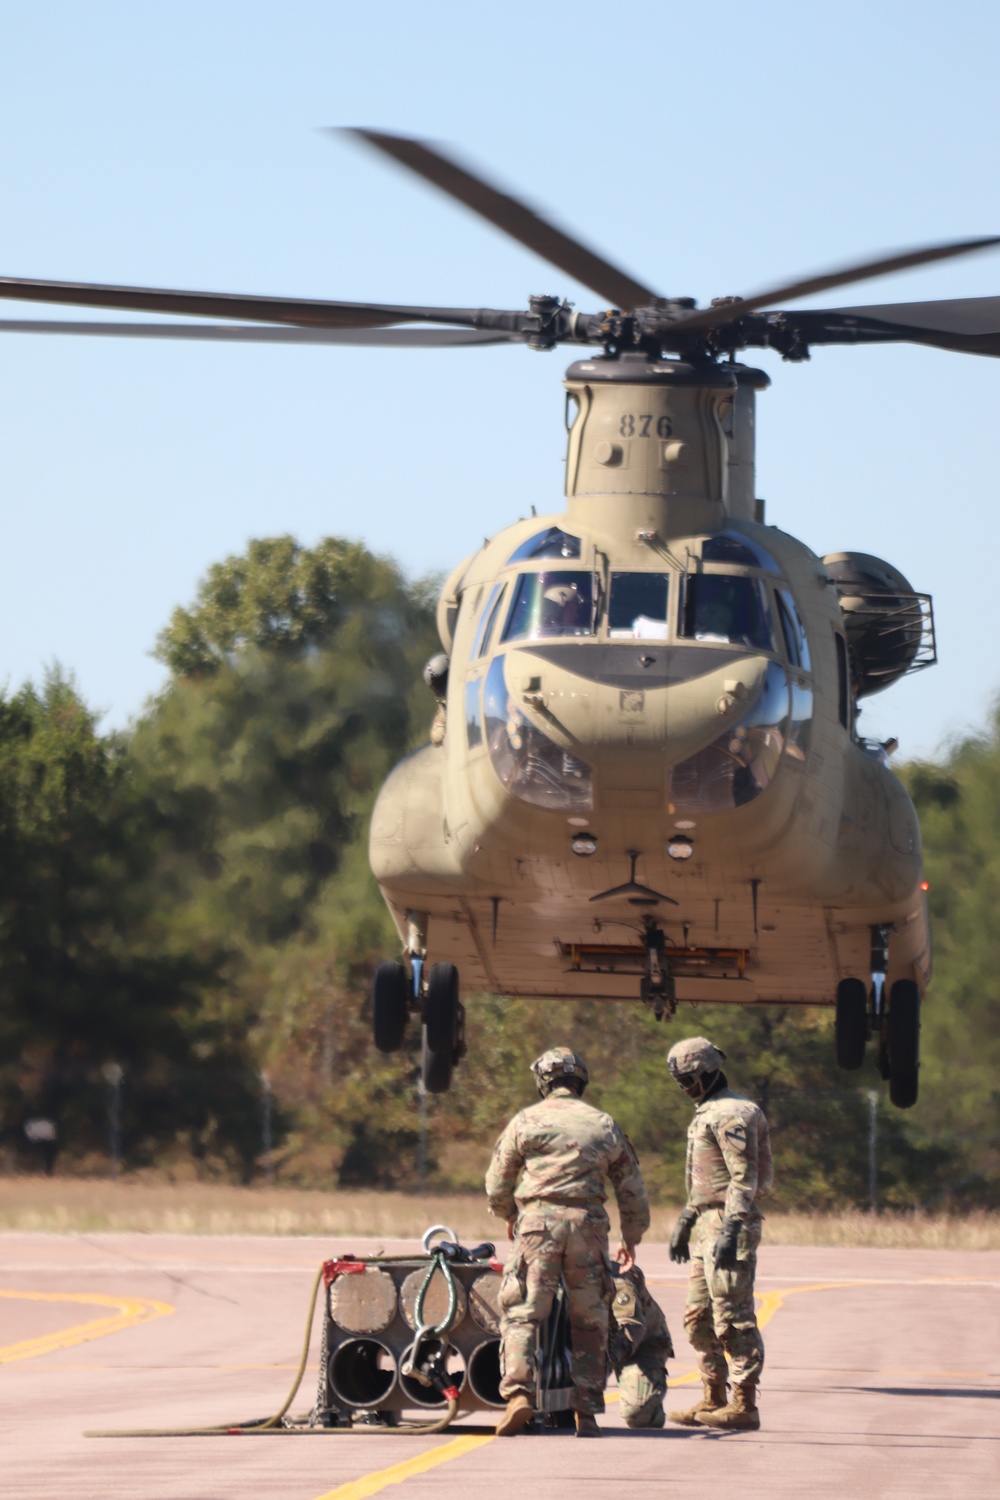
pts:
[727, 608]
[485, 619]
[637, 608]
[490, 619]
[793, 631]
[549, 543]
[551, 604]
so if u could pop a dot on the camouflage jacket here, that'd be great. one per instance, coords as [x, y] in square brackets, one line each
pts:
[728, 1155]
[558, 1152]
[636, 1320]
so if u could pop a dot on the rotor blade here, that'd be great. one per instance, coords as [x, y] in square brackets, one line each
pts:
[513, 217]
[303, 312]
[727, 310]
[967, 325]
[235, 333]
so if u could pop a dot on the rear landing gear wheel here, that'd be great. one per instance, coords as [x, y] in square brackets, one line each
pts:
[435, 1071]
[852, 1023]
[390, 1006]
[904, 1043]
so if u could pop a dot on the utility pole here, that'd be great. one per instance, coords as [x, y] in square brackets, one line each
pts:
[873, 1150]
[114, 1073]
[265, 1126]
[422, 1153]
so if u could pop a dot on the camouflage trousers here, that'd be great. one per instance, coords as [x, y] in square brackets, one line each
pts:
[643, 1384]
[571, 1243]
[719, 1316]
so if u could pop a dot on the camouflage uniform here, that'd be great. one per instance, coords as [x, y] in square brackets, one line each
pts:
[728, 1165]
[548, 1172]
[638, 1348]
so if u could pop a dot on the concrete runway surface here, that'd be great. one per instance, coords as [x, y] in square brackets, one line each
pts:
[882, 1379]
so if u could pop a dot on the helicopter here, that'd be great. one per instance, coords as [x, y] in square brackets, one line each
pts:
[645, 778]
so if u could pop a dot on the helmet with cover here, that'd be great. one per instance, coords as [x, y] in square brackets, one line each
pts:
[560, 1065]
[694, 1064]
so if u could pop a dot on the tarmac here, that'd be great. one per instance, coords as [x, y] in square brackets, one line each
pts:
[882, 1380]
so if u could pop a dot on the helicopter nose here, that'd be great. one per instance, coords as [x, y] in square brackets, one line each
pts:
[671, 700]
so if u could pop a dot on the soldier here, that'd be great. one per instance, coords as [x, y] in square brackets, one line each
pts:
[638, 1349]
[728, 1167]
[547, 1180]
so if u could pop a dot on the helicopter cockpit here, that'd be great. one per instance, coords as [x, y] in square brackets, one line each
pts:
[728, 597]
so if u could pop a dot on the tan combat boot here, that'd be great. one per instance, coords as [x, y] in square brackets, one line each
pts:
[586, 1425]
[741, 1415]
[714, 1399]
[517, 1416]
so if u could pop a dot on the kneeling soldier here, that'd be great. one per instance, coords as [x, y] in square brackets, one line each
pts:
[547, 1180]
[638, 1349]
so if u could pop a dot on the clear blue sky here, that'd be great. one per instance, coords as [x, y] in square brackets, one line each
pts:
[709, 148]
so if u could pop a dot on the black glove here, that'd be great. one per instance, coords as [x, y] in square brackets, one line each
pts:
[724, 1249]
[686, 1221]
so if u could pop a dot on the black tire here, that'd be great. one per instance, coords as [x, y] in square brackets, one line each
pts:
[435, 1070]
[441, 1010]
[390, 1006]
[852, 1023]
[903, 1088]
[904, 1042]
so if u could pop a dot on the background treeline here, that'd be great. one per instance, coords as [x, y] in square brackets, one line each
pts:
[190, 903]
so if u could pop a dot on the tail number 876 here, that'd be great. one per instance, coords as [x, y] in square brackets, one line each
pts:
[632, 425]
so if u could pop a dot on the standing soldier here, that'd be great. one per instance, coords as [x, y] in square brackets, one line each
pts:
[728, 1167]
[638, 1349]
[547, 1180]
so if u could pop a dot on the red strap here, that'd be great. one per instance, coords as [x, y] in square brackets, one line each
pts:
[351, 1266]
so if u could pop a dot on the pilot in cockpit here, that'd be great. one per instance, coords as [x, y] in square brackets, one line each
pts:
[564, 609]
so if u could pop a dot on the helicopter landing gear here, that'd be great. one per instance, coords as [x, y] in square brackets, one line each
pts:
[656, 988]
[443, 1041]
[851, 1028]
[400, 990]
[904, 1043]
[390, 1006]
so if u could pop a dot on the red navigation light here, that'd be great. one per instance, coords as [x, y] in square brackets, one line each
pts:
[925, 885]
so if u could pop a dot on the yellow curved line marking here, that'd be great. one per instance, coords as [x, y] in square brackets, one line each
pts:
[370, 1484]
[129, 1311]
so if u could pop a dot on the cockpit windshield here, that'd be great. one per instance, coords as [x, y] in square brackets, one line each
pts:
[637, 609]
[551, 604]
[727, 608]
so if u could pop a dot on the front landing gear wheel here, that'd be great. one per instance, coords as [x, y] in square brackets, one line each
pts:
[390, 1006]
[435, 1071]
[852, 1023]
[441, 1010]
[904, 1043]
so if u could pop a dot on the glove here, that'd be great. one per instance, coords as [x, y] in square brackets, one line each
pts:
[682, 1233]
[724, 1249]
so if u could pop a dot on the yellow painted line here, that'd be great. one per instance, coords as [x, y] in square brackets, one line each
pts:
[129, 1311]
[370, 1484]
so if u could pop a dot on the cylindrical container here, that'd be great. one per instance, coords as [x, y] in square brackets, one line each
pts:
[362, 1372]
[483, 1303]
[426, 1395]
[484, 1372]
[435, 1302]
[363, 1301]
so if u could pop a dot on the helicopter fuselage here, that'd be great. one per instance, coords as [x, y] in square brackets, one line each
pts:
[650, 729]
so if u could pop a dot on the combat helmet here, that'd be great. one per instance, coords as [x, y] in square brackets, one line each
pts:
[694, 1062]
[557, 1065]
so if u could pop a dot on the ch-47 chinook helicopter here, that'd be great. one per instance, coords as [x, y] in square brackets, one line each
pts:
[644, 780]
